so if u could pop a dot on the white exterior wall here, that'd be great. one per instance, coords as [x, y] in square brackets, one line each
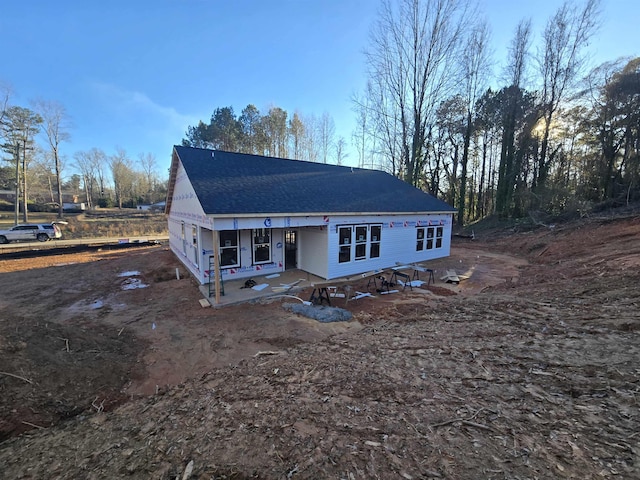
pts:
[397, 242]
[186, 212]
[313, 251]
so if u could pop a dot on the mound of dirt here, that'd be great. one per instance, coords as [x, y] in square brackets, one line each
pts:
[528, 368]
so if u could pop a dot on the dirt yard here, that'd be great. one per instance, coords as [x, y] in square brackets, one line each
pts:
[529, 368]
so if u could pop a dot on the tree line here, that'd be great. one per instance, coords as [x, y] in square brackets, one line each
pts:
[275, 134]
[31, 141]
[544, 133]
[552, 136]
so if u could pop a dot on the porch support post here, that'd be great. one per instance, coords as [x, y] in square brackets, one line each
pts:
[216, 264]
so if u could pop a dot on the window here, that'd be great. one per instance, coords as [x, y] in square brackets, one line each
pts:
[261, 245]
[194, 239]
[419, 239]
[356, 241]
[430, 238]
[183, 238]
[374, 250]
[433, 240]
[439, 232]
[344, 254]
[229, 248]
[361, 242]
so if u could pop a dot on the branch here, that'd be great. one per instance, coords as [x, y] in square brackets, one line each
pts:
[16, 376]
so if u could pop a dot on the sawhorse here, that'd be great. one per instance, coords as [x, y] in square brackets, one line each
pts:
[416, 273]
[406, 281]
[323, 295]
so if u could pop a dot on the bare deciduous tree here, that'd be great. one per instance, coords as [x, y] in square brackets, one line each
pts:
[360, 135]
[56, 125]
[341, 146]
[296, 132]
[561, 61]
[149, 166]
[122, 175]
[327, 130]
[475, 66]
[515, 73]
[310, 138]
[5, 95]
[411, 63]
[85, 163]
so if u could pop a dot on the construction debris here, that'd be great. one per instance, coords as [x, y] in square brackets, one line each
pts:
[285, 287]
[321, 313]
[450, 276]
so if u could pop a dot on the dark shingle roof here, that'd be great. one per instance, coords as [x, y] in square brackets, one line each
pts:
[236, 184]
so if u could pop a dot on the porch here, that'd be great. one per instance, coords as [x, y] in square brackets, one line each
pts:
[274, 284]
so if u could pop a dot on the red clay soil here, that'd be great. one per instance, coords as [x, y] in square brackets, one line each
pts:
[528, 368]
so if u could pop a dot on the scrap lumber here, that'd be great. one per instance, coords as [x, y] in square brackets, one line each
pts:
[333, 293]
[360, 295]
[345, 280]
[285, 287]
[415, 266]
[450, 276]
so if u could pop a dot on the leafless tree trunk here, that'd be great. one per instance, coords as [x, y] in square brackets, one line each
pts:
[326, 132]
[149, 164]
[296, 132]
[475, 71]
[411, 68]
[515, 73]
[122, 174]
[5, 95]
[561, 61]
[359, 135]
[310, 138]
[56, 124]
[340, 150]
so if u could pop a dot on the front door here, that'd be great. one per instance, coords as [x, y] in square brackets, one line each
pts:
[290, 249]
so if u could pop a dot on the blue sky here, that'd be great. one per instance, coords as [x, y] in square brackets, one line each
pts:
[134, 74]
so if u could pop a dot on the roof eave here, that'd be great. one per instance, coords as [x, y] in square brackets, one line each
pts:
[173, 171]
[319, 214]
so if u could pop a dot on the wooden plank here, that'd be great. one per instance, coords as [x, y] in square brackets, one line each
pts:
[415, 266]
[360, 295]
[450, 277]
[344, 280]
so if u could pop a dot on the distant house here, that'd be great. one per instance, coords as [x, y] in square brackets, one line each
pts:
[261, 215]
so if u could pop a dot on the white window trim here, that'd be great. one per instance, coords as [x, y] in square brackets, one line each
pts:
[421, 242]
[236, 246]
[267, 233]
[355, 241]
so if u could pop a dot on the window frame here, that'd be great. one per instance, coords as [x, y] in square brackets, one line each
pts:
[224, 248]
[420, 240]
[359, 244]
[261, 238]
[344, 243]
[430, 237]
[375, 240]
